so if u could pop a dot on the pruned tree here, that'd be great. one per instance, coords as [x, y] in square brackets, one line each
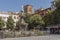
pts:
[10, 23]
[1, 23]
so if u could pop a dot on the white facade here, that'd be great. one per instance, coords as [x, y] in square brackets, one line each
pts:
[5, 16]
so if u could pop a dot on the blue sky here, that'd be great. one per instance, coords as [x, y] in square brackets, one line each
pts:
[15, 5]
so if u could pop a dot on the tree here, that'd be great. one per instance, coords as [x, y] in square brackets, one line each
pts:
[27, 18]
[1, 23]
[36, 20]
[48, 19]
[57, 4]
[53, 17]
[33, 20]
[17, 25]
[10, 23]
[56, 12]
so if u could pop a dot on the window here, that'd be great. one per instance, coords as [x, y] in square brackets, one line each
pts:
[17, 17]
[14, 17]
[4, 17]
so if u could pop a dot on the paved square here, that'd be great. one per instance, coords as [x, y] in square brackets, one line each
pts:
[48, 37]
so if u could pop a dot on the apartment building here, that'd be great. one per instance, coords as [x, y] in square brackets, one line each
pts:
[42, 12]
[5, 15]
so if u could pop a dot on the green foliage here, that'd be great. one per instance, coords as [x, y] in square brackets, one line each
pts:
[17, 25]
[10, 23]
[34, 20]
[48, 19]
[56, 12]
[57, 3]
[27, 18]
[56, 15]
[1, 23]
[53, 17]
[48, 11]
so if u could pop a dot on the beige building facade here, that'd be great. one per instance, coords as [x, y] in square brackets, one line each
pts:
[5, 15]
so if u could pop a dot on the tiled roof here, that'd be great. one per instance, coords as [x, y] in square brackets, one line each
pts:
[13, 13]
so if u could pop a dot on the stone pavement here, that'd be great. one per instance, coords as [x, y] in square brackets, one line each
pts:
[47, 37]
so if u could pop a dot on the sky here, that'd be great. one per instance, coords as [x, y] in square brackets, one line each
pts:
[16, 5]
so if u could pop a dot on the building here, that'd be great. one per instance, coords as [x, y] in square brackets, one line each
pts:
[20, 15]
[28, 9]
[16, 15]
[42, 12]
[5, 16]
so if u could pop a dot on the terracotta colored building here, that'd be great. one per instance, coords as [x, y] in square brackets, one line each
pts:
[28, 9]
[42, 12]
